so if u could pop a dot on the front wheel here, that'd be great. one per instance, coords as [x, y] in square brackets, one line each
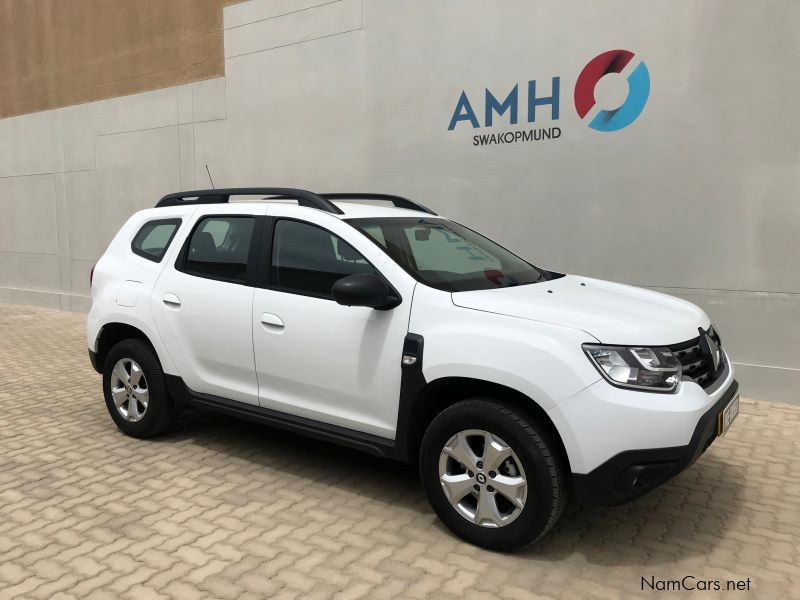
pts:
[492, 475]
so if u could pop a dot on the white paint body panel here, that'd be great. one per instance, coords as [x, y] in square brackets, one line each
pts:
[611, 312]
[128, 293]
[209, 335]
[333, 363]
[116, 268]
[543, 361]
[602, 421]
[340, 365]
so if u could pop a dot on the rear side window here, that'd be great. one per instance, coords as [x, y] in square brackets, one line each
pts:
[153, 239]
[219, 248]
[308, 260]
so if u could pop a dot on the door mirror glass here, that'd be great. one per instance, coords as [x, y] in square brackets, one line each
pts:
[364, 289]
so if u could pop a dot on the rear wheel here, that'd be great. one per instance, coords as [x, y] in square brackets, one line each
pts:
[492, 475]
[134, 390]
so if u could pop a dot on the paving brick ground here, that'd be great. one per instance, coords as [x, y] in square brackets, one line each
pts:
[224, 509]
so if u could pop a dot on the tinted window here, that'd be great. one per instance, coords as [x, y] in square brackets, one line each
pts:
[443, 249]
[153, 239]
[448, 256]
[308, 260]
[375, 232]
[219, 247]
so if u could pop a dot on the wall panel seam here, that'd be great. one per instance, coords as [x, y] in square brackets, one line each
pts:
[291, 12]
[321, 37]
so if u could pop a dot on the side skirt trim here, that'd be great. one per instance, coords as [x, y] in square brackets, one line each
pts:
[365, 442]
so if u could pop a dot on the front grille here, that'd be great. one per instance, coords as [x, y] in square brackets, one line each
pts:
[696, 359]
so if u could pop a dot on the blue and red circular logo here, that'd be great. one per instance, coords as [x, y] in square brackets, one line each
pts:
[613, 61]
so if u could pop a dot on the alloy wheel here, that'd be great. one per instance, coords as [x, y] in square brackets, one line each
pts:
[483, 478]
[129, 389]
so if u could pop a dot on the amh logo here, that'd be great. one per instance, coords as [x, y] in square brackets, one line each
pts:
[613, 61]
[510, 105]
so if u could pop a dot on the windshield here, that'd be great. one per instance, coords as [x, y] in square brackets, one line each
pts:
[448, 256]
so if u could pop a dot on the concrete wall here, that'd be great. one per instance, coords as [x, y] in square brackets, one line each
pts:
[698, 197]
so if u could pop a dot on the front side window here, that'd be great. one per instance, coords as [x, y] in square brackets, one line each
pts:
[153, 239]
[219, 248]
[308, 260]
[448, 256]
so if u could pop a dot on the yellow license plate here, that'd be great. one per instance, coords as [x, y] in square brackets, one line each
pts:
[727, 415]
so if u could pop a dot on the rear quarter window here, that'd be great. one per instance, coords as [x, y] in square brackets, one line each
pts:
[154, 237]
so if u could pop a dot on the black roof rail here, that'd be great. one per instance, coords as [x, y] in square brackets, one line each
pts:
[222, 196]
[398, 201]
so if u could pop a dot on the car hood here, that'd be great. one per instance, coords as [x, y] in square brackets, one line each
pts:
[613, 313]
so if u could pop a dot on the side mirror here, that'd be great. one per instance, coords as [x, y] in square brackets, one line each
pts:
[364, 289]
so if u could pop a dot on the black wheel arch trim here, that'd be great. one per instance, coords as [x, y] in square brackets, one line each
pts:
[119, 331]
[93, 359]
[415, 413]
[412, 383]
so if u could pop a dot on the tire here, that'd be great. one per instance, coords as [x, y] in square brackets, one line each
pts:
[533, 458]
[142, 420]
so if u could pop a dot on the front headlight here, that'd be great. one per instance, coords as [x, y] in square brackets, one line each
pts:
[650, 369]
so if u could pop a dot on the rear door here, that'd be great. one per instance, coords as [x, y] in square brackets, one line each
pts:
[202, 304]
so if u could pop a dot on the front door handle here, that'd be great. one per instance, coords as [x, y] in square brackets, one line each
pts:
[171, 300]
[271, 320]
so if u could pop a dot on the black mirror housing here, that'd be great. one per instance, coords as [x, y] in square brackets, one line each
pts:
[364, 289]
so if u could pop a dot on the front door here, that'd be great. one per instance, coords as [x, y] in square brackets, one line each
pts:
[314, 357]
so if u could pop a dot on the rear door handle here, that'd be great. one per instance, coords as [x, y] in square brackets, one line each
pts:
[171, 300]
[271, 320]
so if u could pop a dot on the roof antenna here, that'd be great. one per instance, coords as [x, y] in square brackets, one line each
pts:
[209, 177]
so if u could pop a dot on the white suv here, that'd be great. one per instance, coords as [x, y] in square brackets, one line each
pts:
[392, 330]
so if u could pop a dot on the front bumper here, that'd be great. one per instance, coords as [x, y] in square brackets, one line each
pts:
[632, 473]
